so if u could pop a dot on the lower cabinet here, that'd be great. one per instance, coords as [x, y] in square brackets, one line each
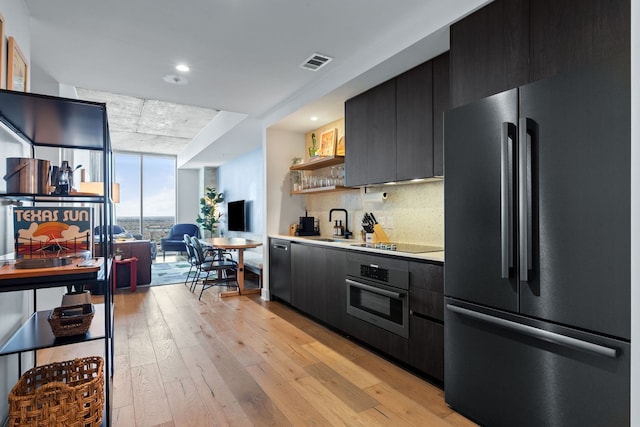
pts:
[426, 320]
[318, 288]
[308, 279]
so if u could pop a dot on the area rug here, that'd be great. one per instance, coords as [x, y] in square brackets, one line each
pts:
[168, 273]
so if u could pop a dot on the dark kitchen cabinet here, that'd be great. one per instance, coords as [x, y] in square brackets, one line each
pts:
[490, 51]
[390, 128]
[566, 34]
[509, 43]
[441, 103]
[357, 131]
[414, 120]
[280, 269]
[370, 129]
[426, 320]
[308, 279]
[336, 290]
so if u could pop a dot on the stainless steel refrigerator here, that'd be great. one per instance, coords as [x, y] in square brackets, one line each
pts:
[537, 238]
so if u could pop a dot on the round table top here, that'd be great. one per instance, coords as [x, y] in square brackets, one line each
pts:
[232, 242]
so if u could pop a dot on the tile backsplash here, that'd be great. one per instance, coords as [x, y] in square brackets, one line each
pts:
[412, 213]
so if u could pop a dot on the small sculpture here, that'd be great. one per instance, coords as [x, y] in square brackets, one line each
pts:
[313, 150]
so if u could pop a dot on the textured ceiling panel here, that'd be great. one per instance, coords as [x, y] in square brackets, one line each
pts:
[145, 143]
[149, 126]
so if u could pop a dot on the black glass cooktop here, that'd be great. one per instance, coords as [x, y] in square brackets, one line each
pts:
[402, 247]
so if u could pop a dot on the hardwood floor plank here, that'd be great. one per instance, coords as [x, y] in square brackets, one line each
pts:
[405, 407]
[253, 400]
[141, 351]
[186, 406]
[212, 388]
[122, 387]
[294, 406]
[123, 416]
[346, 391]
[170, 362]
[149, 396]
[329, 405]
[345, 367]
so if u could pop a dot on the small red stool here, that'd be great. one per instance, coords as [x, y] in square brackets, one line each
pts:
[133, 272]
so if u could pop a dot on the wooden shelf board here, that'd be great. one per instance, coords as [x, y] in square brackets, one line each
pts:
[318, 163]
[329, 189]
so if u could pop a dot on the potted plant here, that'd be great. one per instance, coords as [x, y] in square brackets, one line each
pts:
[76, 294]
[209, 215]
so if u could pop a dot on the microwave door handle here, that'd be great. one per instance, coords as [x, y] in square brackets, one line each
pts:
[374, 289]
[524, 196]
[508, 135]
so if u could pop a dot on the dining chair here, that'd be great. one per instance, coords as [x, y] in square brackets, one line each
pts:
[225, 269]
[191, 259]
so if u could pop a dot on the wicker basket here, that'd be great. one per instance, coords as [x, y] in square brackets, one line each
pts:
[71, 320]
[69, 394]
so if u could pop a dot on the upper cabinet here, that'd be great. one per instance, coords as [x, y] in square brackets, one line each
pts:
[509, 43]
[390, 132]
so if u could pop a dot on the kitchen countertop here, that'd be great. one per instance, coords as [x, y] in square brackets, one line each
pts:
[349, 244]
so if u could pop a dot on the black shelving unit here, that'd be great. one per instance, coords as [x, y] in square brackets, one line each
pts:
[47, 121]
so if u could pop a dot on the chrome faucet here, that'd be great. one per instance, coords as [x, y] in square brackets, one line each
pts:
[347, 233]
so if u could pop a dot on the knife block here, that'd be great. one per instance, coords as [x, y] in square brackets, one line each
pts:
[378, 235]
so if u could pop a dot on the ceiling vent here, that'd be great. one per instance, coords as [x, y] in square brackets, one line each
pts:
[316, 61]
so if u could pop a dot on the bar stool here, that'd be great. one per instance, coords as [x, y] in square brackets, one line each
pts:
[133, 272]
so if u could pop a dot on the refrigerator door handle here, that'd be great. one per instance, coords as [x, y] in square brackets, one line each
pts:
[524, 196]
[540, 334]
[508, 136]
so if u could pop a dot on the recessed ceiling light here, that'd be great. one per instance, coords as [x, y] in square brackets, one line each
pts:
[175, 79]
[182, 67]
[314, 118]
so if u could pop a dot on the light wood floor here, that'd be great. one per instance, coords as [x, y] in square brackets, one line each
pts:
[241, 361]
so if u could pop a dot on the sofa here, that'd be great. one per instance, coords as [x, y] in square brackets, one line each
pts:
[133, 248]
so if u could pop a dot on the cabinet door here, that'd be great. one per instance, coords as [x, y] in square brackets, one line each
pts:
[308, 272]
[280, 269]
[426, 329]
[490, 51]
[336, 294]
[382, 145]
[426, 346]
[441, 103]
[316, 267]
[567, 34]
[357, 131]
[414, 116]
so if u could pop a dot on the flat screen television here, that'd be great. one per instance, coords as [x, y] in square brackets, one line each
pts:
[236, 216]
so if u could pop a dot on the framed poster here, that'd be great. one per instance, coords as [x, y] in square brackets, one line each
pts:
[17, 67]
[52, 230]
[328, 142]
[340, 148]
[3, 55]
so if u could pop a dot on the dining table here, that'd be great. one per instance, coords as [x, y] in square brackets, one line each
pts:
[239, 244]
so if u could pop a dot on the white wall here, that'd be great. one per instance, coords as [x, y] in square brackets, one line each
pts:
[188, 196]
[243, 179]
[282, 209]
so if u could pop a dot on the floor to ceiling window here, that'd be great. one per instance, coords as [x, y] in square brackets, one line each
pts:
[147, 193]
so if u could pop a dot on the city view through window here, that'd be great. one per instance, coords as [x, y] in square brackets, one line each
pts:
[147, 194]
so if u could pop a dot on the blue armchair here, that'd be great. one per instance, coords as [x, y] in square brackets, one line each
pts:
[175, 240]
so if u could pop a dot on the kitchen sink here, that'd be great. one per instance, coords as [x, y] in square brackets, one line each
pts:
[329, 239]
